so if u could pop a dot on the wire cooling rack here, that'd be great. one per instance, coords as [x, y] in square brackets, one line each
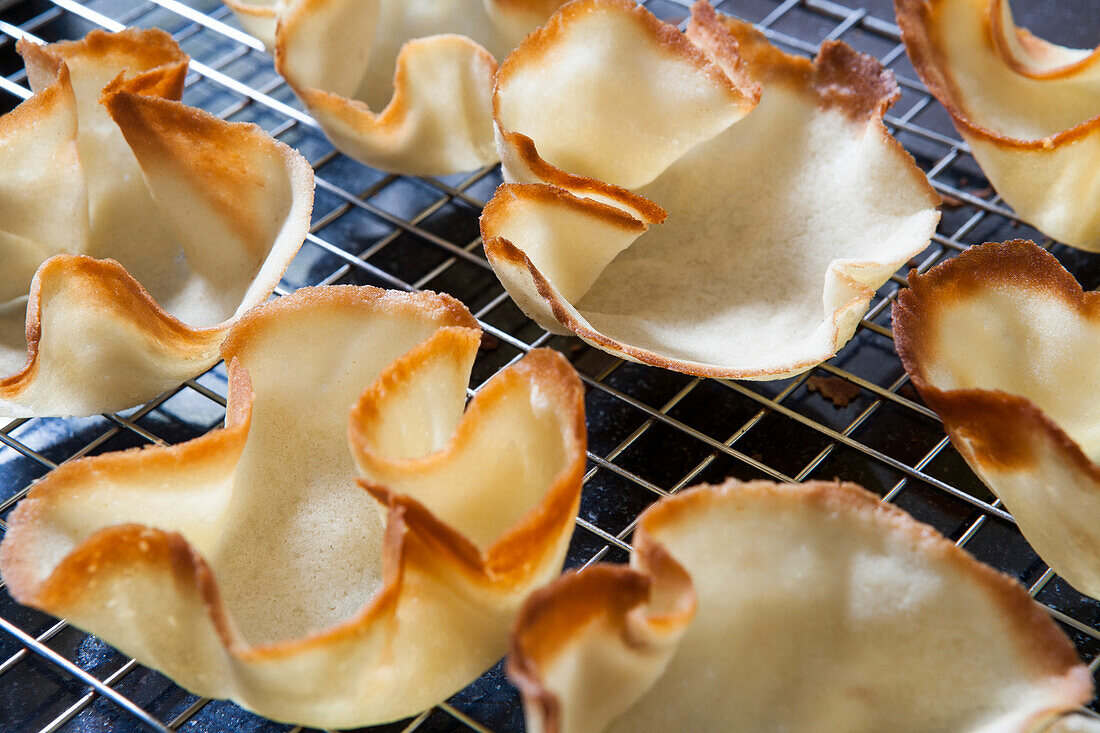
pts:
[652, 432]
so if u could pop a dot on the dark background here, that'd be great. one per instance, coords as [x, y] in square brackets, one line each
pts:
[651, 431]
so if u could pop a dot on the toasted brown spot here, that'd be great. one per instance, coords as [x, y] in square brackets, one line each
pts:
[841, 77]
[1001, 428]
[834, 389]
[221, 157]
[919, 24]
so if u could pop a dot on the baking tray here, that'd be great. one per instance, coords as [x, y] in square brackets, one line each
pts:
[651, 432]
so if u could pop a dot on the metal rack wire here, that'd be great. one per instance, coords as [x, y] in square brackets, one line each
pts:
[652, 432]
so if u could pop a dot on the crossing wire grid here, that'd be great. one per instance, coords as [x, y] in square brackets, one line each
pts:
[652, 432]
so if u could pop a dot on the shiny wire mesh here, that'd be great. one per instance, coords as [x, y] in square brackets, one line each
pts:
[652, 432]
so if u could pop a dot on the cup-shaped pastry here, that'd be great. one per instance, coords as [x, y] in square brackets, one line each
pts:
[1076, 723]
[250, 564]
[801, 608]
[1029, 109]
[702, 202]
[1001, 342]
[134, 229]
[401, 86]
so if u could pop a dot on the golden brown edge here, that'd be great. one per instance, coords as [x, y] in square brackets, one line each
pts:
[513, 194]
[667, 37]
[253, 9]
[115, 291]
[507, 559]
[155, 48]
[839, 77]
[997, 423]
[555, 515]
[742, 91]
[552, 617]
[865, 98]
[154, 45]
[1035, 45]
[919, 30]
[413, 536]
[625, 598]
[162, 62]
[649, 211]
[501, 251]
[555, 614]
[545, 8]
[431, 305]
[1040, 638]
[459, 344]
[141, 117]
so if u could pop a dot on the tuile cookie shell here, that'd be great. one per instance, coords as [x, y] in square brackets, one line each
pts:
[248, 563]
[1029, 109]
[400, 86]
[140, 228]
[999, 342]
[258, 17]
[732, 587]
[701, 202]
[1075, 724]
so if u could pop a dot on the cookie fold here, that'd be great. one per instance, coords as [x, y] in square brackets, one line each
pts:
[138, 228]
[744, 597]
[701, 201]
[403, 87]
[1029, 109]
[250, 564]
[999, 341]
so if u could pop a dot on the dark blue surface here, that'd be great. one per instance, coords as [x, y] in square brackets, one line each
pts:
[33, 693]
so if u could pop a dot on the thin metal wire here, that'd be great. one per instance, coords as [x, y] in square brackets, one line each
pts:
[194, 22]
[67, 666]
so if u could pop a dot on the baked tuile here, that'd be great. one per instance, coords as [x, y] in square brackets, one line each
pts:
[251, 564]
[135, 230]
[998, 341]
[1076, 723]
[393, 85]
[726, 583]
[1029, 109]
[635, 213]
